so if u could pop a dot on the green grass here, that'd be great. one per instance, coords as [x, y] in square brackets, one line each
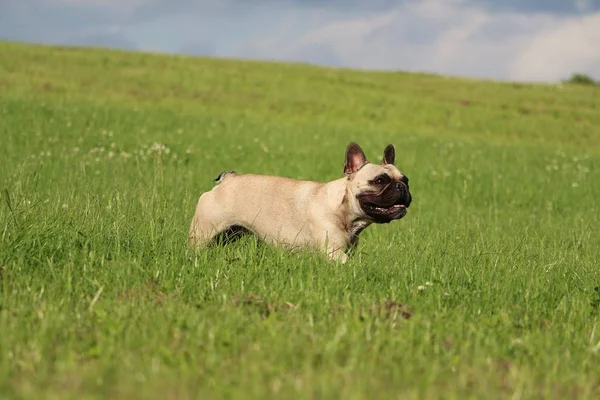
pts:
[103, 156]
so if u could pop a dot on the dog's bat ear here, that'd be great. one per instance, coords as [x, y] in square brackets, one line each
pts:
[389, 155]
[355, 158]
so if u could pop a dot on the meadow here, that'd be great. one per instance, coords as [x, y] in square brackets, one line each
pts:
[487, 288]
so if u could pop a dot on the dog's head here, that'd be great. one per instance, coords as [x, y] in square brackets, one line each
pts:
[379, 191]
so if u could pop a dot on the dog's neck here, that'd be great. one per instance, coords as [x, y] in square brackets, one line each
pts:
[354, 222]
[351, 220]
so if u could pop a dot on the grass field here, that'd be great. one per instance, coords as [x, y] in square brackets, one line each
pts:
[103, 156]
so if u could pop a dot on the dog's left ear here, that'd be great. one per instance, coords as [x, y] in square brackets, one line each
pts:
[389, 155]
[355, 158]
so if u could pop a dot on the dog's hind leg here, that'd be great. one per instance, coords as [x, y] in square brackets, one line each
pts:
[202, 232]
[208, 222]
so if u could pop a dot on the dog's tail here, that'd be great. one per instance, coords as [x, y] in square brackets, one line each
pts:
[224, 175]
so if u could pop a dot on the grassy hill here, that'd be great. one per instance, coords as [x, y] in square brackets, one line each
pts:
[103, 155]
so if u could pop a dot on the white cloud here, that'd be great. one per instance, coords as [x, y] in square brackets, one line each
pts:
[452, 37]
[583, 5]
[573, 45]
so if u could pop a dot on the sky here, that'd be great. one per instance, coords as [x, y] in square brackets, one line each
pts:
[526, 40]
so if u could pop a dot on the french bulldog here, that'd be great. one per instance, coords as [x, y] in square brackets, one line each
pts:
[305, 214]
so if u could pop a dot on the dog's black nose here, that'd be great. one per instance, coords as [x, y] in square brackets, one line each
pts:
[404, 193]
[408, 200]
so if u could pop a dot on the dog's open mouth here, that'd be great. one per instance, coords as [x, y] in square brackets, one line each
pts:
[384, 210]
[395, 211]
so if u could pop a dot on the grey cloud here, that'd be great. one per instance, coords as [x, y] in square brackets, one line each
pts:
[38, 21]
[106, 40]
[501, 28]
[48, 15]
[199, 48]
[203, 9]
[560, 7]
[524, 6]
[411, 30]
[321, 54]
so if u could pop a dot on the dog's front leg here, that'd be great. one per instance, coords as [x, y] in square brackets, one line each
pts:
[337, 254]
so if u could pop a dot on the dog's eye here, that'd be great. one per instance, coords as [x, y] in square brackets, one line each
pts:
[381, 180]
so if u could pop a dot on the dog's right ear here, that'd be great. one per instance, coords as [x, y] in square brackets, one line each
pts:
[389, 155]
[355, 158]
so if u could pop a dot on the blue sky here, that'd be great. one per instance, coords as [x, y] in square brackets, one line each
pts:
[528, 40]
